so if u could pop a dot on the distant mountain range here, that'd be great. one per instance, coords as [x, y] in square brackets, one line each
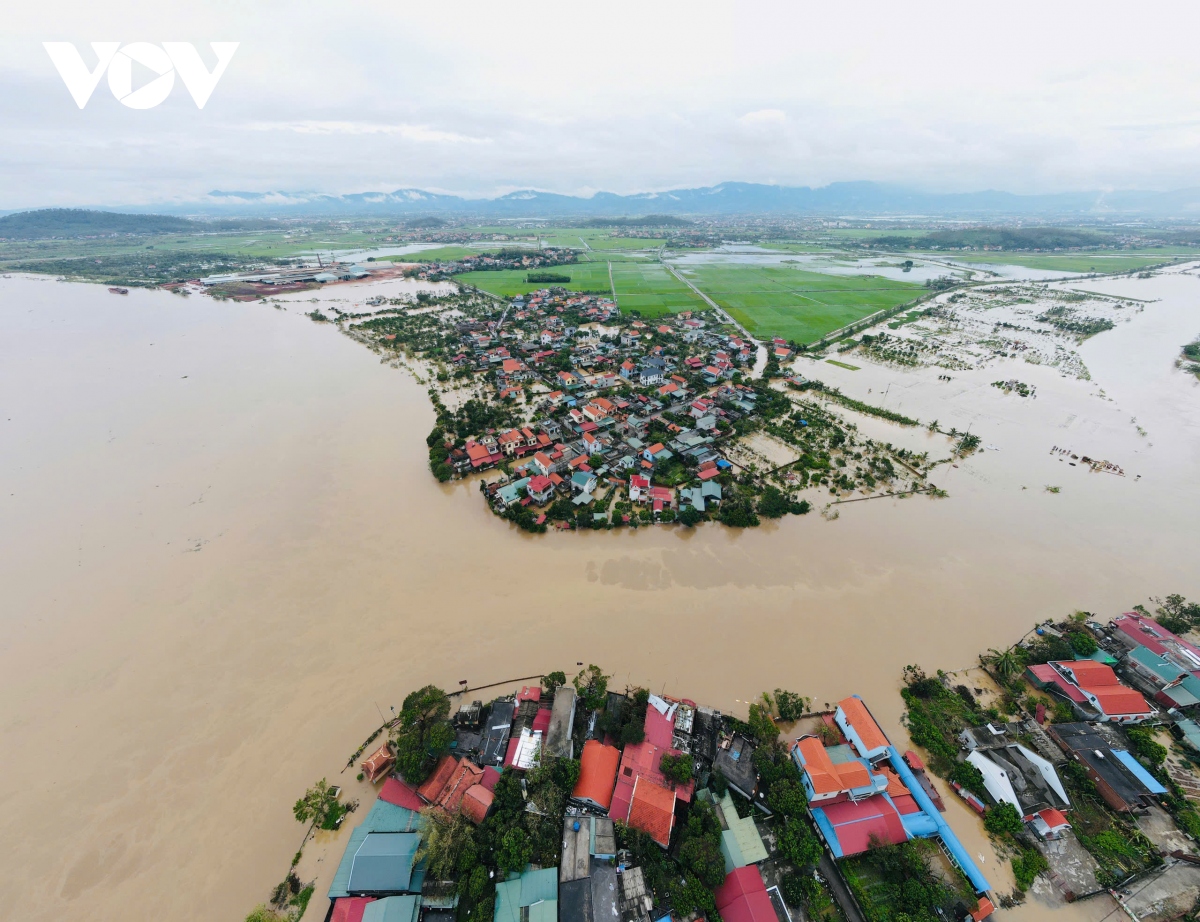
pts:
[850, 199]
[732, 198]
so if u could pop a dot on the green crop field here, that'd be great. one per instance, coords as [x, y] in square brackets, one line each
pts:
[645, 287]
[795, 304]
[585, 276]
[649, 289]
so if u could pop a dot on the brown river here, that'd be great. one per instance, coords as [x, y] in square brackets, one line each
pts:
[222, 558]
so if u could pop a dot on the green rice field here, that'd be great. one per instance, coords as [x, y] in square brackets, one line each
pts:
[793, 303]
[645, 287]
[585, 276]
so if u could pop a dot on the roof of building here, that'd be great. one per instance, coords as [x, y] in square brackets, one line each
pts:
[524, 891]
[740, 842]
[824, 775]
[350, 908]
[383, 863]
[382, 817]
[476, 802]
[1099, 680]
[393, 909]
[597, 773]
[850, 826]
[1149, 633]
[743, 897]
[395, 791]
[858, 717]
[558, 733]
[652, 810]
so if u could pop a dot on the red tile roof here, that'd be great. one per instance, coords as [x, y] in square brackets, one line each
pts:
[857, 823]
[827, 777]
[377, 763]
[597, 773]
[709, 474]
[652, 810]
[858, 717]
[395, 791]
[436, 783]
[743, 897]
[350, 908]
[476, 802]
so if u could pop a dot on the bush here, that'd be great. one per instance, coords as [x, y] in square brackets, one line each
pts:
[1145, 746]
[1003, 819]
[679, 769]
[1027, 866]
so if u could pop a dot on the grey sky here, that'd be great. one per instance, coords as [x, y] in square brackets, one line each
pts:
[483, 98]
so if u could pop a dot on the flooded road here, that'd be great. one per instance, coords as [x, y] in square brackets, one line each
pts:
[223, 558]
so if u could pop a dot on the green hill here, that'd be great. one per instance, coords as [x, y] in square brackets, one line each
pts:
[78, 222]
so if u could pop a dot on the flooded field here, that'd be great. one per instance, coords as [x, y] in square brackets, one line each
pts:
[224, 559]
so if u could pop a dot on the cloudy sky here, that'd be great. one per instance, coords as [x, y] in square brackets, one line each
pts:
[484, 98]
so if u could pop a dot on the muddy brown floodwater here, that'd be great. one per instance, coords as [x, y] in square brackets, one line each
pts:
[222, 557]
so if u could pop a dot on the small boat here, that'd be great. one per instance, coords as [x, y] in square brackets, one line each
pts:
[118, 291]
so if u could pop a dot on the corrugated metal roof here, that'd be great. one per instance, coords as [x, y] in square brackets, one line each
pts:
[393, 909]
[382, 817]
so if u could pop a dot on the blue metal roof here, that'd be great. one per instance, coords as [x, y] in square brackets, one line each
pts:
[1139, 771]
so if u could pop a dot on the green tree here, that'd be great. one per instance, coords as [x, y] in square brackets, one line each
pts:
[514, 852]
[798, 844]
[1003, 819]
[702, 856]
[689, 516]
[787, 798]
[773, 504]
[1083, 643]
[446, 838]
[1145, 746]
[678, 768]
[422, 732]
[592, 687]
[1006, 664]
[762, 724]
[319, 805]
[789, 705]
[553, 680]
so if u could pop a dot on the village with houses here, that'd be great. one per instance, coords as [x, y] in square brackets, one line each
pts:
[572, 414]
[569, 801]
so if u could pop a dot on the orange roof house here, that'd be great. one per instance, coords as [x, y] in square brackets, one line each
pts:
[378, 763]
[652, 810]
[597, 774]
[860, 728]
[452, 787]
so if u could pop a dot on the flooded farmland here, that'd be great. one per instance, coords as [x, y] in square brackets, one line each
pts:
[224, 559]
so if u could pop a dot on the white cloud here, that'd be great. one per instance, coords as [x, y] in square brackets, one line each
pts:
[769, 118]
[422, 134]
[477, 99]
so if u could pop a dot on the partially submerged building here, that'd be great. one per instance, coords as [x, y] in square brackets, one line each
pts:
[1121, 779]
[862, 793]
[1013, 773]
[380, 856]
[1092, 689]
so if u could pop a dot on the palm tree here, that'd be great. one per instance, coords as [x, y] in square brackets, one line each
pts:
[1006, 664]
